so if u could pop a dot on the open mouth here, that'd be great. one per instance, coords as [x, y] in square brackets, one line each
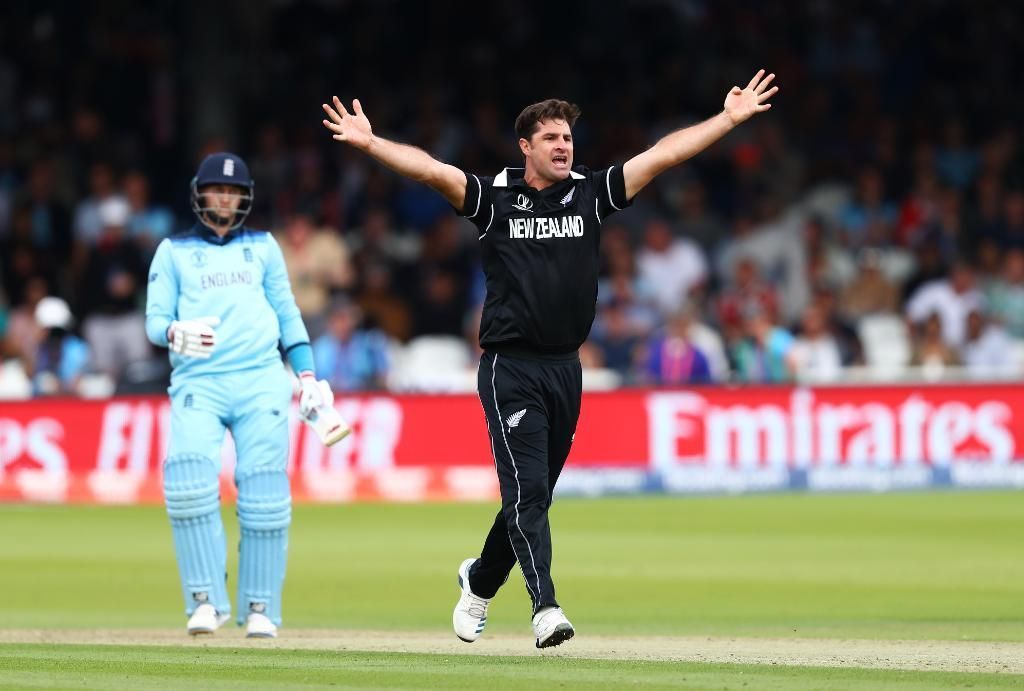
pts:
[560, 160]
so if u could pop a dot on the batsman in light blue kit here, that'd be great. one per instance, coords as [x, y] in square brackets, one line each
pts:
[219, 298]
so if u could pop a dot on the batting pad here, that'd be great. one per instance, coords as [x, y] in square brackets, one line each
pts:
[264, 514]
[192, 495]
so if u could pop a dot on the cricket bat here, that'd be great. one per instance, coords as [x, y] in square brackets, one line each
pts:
[325, 420]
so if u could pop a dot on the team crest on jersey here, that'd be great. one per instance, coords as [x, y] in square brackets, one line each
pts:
[523, 203]
[247, 253]
[568, 198]
[198, 259]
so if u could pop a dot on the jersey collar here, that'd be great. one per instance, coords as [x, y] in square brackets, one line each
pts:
[513, 177]
[203, 232]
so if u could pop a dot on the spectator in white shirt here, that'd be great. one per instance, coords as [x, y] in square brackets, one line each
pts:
[988, 350]
[673, 267]
[952, 298]
[815, 353]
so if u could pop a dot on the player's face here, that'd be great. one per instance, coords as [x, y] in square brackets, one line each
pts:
[223, 200]
[549, 150]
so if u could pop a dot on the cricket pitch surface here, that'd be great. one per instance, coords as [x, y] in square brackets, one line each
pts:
[929, 655]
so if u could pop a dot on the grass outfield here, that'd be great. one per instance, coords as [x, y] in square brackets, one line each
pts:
[946, 566]
[172, 667]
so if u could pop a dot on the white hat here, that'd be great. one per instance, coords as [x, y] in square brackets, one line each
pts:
[52, 312]
[114, 211]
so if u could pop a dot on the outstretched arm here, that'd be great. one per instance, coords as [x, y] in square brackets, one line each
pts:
[405, 160]
[673, 149]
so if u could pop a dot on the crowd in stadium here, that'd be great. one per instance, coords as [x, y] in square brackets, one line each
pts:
[849, 234]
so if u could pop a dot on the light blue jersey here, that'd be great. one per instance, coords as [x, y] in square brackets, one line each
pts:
[242, 387]
[240, 278]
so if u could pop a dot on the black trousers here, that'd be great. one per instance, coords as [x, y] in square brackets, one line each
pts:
[532, 407]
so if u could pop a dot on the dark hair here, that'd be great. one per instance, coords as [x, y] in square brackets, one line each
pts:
[551, 109]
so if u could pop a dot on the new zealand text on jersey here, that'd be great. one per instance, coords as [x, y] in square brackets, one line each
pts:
[544, 228]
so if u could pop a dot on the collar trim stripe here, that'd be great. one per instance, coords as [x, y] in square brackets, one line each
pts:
[501, 179]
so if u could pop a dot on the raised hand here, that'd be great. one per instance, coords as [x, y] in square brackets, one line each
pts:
[354, 129]
[740, 104]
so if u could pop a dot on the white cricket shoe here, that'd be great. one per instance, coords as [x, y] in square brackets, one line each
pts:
[258, 625]
[551, 627]
[205, 620]
[470, 615]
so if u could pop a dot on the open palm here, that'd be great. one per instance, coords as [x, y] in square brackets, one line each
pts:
[354, 129]
[740, 104]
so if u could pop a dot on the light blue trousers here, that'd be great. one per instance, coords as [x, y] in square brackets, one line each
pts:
[254, 405]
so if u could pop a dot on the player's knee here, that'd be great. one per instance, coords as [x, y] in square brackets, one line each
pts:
[264, 499]
[532, 490]
[191, 487]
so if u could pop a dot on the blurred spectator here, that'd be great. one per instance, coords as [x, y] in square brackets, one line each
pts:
[616, 339]
[111, 288]
[870, 292]
[439, 308]
[931, 351]
[986, 218]
[5, 316]
[23, 333]
[272, 166]
[951, 299]
[776, 241]
[382, 307]
[842, 330]
[746, 289]
[447, 268]
[88, 224]
[48, 219]
[1012, 231]
[1004, 296]
[350, 358]
[622, 285]
[148, 223]
[697, 221]
[377, 243]
[764, 354]
[828, 264]
[929, 265]
[674, 267]
[8, 184]
[671, 358]
[708, 342]
[815, 353]
[987, 351]
[869, 218]
[946, 229]
[61, 357]
[919, 209]
[956, 163]
[20, 260]
[318, 265]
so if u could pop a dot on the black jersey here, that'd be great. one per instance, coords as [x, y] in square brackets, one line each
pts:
[540, 255]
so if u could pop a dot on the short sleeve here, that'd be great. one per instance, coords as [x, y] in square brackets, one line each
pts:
[477, 206]
[610, 189]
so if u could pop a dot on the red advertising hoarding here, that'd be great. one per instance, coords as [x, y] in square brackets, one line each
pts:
[436, 447]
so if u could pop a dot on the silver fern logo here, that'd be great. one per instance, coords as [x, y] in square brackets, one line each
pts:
[568, 198]
[514, 419]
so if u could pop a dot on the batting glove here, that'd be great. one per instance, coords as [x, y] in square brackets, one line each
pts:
[193, 337]
[316, 408]
[311, 396]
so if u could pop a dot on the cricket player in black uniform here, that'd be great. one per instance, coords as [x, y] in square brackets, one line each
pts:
[539, 230]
